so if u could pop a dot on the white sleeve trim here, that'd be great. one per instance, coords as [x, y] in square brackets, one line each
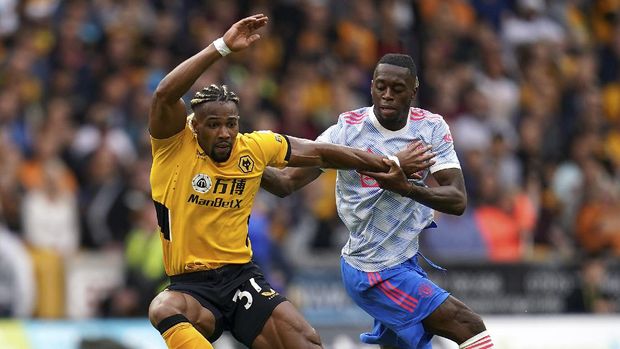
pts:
[444, 166]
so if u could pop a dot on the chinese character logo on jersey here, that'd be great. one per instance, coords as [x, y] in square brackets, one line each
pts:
[246, 164]
[201, 183]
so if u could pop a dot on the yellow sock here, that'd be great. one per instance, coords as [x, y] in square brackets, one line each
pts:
[185, 336]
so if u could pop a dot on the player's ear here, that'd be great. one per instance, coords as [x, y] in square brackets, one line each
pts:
[192, 122]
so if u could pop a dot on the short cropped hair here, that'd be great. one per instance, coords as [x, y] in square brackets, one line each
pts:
[401, 60]
[213, 93]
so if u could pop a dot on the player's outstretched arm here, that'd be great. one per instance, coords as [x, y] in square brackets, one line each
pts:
[284, 182]
[449, 197]
[307, 153]
[167, 114]
[307, 157]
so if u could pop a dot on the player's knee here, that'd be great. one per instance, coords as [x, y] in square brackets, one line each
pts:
[163, 306]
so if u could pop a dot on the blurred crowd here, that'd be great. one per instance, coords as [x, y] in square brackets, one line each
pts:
[530, 89]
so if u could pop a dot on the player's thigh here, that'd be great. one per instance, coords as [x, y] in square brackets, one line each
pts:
[286, 328]
[454, 320]
[168, 303]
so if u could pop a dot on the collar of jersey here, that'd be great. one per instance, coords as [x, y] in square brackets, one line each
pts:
[383, 130]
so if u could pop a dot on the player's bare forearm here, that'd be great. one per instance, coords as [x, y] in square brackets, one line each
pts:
[449, 197]
[284, 182]
[167, 114]
[305, 153]
[180, 79]
[446, 199]
[341, 157]
[240, 35]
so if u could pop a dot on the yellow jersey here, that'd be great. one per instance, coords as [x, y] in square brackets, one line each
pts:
[203, 207]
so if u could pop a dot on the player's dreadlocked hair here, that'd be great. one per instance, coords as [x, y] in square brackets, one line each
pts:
[214, 93]
[401, 60]
[211, 93]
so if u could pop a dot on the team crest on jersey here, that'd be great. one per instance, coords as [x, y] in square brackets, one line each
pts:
[246, 164]
[425, 290]
[201, 183]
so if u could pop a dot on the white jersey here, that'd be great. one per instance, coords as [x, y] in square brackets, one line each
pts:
[384, 226]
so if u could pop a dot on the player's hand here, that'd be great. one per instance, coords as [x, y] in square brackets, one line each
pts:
[416, 158]
[243, 33]
[393, 180]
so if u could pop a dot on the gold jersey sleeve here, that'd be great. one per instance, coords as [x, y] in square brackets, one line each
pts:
[203, 207]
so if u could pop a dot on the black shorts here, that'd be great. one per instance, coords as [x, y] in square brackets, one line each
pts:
[237, 294]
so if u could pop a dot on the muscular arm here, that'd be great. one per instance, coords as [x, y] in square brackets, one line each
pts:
[167, 115]
[284, 182]
[306, 153]
[449, 197]
[307, 159]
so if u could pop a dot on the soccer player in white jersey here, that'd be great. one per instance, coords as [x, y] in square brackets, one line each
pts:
[385, 214]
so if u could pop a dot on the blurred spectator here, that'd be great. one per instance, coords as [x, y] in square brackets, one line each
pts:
[473, 129]
[103, 132]
[458, 13]
[493, 81]
[491, 11]
[267, 246]
[504, 164]
[50, 213]
[598, 219]
[357, 39]
[455, 239]
[590, 295]
[10, 192]
[568, 180]
[144, 271]
[103, 207]
[17, 282]
[46, 150]
[319, 198]
[506, 219]
[9, 18]
[530, 24]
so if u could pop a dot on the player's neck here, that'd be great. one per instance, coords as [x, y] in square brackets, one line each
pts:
[393, 125]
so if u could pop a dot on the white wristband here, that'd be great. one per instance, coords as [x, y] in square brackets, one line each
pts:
[221, 47]
[394, 158]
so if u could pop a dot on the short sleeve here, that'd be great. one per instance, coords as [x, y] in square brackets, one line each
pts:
[163, 147]
[275, 147]
[443, 146]
[329, 135]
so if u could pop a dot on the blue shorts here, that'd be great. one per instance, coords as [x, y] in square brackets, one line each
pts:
[398, 298]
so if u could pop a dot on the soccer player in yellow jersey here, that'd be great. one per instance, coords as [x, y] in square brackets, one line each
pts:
[204, 178]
